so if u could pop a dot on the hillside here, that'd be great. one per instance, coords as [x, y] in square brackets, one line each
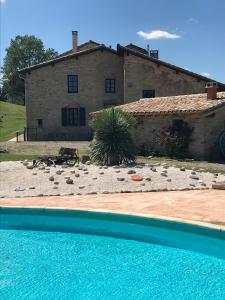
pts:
[13, 118]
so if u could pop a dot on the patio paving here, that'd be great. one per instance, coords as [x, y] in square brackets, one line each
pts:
[203, 207]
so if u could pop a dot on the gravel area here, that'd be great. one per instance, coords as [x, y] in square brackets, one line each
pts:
[19, 181]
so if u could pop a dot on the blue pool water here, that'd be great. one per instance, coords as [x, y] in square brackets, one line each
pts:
[67, 255]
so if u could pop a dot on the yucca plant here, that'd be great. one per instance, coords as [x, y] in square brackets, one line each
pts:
[112, 143]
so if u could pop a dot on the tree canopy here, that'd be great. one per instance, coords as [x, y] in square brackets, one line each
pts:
[24, 51]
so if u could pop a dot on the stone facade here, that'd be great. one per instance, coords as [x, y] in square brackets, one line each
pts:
[47, 94]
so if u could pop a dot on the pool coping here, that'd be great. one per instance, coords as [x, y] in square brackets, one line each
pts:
[81, 203]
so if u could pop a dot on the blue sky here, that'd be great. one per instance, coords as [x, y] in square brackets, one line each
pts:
[188, 33]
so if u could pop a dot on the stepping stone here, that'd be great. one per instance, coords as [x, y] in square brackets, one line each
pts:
[131, 172]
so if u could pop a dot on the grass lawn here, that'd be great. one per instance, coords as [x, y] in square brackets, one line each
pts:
[15, 157]
[13, 118]
[204, 165]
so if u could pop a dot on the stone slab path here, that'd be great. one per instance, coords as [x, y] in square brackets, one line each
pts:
[203, 207]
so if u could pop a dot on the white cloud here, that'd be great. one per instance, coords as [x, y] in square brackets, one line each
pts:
[205, 74]
[157, 34]
[2, 1]
[192, 20]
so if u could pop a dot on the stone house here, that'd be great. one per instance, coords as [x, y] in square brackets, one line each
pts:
[204, 113]
[61, 93]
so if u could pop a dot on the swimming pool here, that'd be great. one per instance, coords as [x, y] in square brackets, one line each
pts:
[58, 254]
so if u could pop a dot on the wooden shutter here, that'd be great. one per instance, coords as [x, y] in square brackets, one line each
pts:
[82, 116]
[64, 117]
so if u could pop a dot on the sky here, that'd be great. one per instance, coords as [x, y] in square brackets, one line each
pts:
[187, 33]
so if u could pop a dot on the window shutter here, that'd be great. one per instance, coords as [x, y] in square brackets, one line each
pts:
[82, 116]
[64, 118]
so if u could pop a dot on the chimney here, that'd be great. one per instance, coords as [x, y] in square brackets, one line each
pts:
[154, 54]
[211, 88]
[75, 40]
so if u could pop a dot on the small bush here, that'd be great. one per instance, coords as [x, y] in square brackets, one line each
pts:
[112, 144]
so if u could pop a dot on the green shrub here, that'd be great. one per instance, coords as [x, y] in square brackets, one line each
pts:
[112, 144]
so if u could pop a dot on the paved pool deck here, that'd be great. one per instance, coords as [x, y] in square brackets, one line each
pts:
[201, 207]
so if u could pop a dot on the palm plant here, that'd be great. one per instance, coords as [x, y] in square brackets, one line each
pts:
[112, 144]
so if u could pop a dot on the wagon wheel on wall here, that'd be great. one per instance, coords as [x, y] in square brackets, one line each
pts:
[222, 143]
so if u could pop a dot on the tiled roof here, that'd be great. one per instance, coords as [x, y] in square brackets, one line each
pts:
[196, 103]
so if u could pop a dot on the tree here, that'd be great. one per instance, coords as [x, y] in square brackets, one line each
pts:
[112, 144]
[24, 51]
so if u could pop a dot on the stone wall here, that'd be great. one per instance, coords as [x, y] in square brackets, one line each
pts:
[142, 74]
[46, 94]
[146, 131]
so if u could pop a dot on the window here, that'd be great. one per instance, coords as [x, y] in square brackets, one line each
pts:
[73, 116]
[72, 83]
[40, 123]
[148, 93]
[110, 85]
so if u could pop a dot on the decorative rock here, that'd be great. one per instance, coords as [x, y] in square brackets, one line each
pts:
[182, 169]
[136, 178]
[69, 181]
[92, 193]
[51, 178]
[56, 182]
[194, 177]
[77, 175]
[84, 159]
[31, 187]
[105, 192]
[34, 173]
[163, 174]
[131, 172]
[117, 171]
[153, 169]
[67, 177]
[58, 172]
[25, 163]
[88, 163]
[169, 180]
[41, 168]
[40, 195]
[81, 187]
[143, 184]
[193, 173]
[192, 184]
[165, 166]
[148, 179]
[72, 172]
[105, 167]
[120, 178]
[94, 178]
[46, 171]
[219, 186]
[55, 187]
[101, 173]
[30, 167]
[116, 167]
[86, 172]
